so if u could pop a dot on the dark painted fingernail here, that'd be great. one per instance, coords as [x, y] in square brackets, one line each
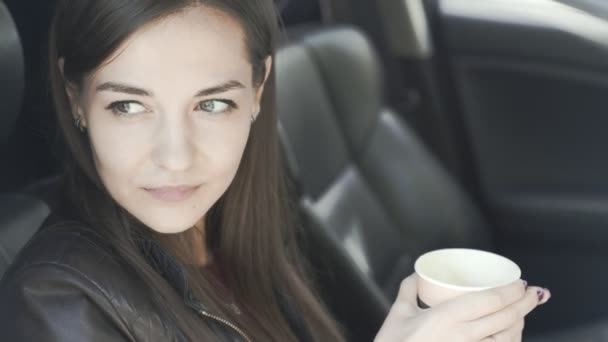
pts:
[541, 294]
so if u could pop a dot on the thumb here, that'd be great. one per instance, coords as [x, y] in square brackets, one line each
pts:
[408, 291]
[406, 305]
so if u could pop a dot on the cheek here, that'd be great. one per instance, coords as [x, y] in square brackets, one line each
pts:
[116, 154]
[226, 152]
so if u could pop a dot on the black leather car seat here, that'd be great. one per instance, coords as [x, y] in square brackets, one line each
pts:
[373, 195]
[20, 214]
[11, 73]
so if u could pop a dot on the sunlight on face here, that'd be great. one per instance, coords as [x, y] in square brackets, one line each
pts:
[169, 117]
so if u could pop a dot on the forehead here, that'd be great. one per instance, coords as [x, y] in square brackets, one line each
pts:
[199, 43]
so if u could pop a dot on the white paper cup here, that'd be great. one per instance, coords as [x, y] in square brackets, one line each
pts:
[447, 273]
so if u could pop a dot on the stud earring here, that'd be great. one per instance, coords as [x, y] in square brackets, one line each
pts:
[78, 123]
[253, 118]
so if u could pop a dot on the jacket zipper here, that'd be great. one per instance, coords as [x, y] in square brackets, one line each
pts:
[226, 323]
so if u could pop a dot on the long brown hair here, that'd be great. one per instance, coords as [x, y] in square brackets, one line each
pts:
[249, 230]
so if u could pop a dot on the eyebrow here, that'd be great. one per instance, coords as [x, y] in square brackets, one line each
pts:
[123, 88]
[222, 88]
[131, 90]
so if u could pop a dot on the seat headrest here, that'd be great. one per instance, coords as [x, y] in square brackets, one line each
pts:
[329, 87]
[353, 75]
[11, 73]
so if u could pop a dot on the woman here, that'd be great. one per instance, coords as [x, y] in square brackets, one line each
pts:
[174, 225]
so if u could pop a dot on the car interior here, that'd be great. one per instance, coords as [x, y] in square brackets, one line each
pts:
[408, 126]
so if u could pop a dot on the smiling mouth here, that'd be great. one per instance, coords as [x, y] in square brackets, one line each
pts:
[172, 193]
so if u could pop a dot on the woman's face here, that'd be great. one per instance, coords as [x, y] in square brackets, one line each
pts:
[169, 116]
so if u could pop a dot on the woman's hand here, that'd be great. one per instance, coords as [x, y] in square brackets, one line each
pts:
[495, 315]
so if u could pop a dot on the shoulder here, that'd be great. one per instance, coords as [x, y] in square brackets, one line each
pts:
[72, 247]
[67, 279]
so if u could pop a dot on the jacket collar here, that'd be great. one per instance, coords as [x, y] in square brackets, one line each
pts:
[170, 269]
[175, 274]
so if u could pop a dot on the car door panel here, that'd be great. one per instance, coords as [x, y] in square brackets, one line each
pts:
[531, 79]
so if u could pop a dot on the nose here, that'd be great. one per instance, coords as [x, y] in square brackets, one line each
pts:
[173, 150]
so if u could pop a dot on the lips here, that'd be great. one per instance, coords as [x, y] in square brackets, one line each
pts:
[172, 193]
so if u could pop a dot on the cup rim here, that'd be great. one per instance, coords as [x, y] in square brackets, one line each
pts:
[459, 287]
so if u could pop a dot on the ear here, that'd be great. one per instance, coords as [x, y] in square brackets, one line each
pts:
[260, 90]
[73, 95]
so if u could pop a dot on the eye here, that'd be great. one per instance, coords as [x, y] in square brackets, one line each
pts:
[127, 108]
[216, 106]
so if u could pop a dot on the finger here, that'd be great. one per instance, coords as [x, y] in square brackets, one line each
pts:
[506, 318]
[513, 334]
[546, 296]
[406, 303]
[472, 306]
[408, 290]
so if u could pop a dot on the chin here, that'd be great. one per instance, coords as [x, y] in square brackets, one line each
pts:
[173, 229]
[165, 226]
[170, 218]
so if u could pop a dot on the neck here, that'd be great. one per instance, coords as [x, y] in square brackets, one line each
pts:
[201, 255]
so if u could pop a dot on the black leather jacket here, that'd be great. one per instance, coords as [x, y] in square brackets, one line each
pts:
[67, 286]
